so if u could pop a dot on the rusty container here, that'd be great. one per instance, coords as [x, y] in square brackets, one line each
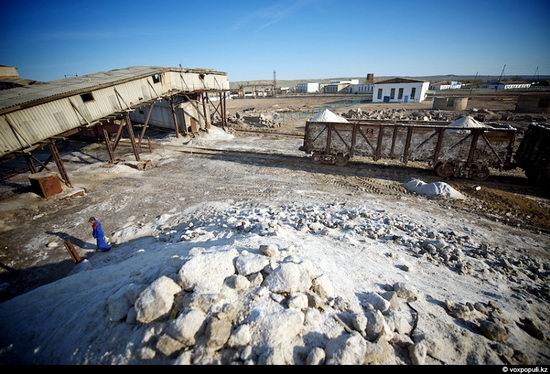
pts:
[45, 184]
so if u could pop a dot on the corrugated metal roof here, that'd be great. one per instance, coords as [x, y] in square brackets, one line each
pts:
[399, 80]
[15, 97]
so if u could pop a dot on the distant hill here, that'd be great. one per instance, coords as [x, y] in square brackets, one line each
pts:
[431, 78]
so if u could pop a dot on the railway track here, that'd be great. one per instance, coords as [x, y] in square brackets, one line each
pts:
[269, 133]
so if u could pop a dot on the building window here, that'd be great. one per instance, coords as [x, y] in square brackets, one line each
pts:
[413, 93]
[379, 94]
[400, 94]
[156, 78]
[392, 94]
[87, 97]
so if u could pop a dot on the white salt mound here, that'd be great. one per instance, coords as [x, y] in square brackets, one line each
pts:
[467, 122]
[215, 133]
[328, 116]
[435, 189]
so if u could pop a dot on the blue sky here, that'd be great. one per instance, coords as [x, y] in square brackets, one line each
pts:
[301, 39]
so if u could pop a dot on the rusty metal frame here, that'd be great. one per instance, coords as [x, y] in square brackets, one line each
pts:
[118, 136]
[59, 163]
[130, 131]
[353, 140]
[43, 165]
[365, 137]
[320, 133]
[378, 151]
[329, 138]
[108, 144]
[438, 145]
[425, 141]
[491, 148]
[30, 164]
[217, 109]
[461, 141]
[438, 131]
[394, 137]
[224, 108]
[475, 137]
[145, 124]
[206, 121]
[407, 145]
[174, 117]
[342, 139]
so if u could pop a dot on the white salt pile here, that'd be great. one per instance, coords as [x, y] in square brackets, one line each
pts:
[467, 122]
[435, 189]
[328, 116]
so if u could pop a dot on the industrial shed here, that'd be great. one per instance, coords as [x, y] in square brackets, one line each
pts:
[34, 116]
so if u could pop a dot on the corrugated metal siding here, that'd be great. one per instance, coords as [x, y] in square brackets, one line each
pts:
[42, 121]
[162, 115]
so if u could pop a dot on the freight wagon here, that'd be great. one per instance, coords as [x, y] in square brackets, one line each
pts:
[452, 151]
[533, 154]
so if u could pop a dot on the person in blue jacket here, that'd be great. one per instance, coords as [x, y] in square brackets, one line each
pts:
[97, 232]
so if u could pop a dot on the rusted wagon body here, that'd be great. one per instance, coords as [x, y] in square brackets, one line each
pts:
[533, 154]
[465, 152]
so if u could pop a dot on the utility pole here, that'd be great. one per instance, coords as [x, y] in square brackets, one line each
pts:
[536, 77]
[274, 83]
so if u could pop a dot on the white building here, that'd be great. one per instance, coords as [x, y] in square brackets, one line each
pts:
[360, 88]
[340, 87]
[307, 87]
[508, 85]
[453, 85]
[400, 90]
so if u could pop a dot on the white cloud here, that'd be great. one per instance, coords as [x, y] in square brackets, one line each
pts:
[271, 15]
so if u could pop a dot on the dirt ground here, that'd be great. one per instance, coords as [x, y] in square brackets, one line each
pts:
[251, 167]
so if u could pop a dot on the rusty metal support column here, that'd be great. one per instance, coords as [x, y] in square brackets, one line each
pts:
[438, 145]
[130, 130]
[353, 139]
[174, 117]
[206, 121]
[142, 134]
[393, 141]
[378, 152]
[224, 110]
[30, 163]
[329, 138]
[221, 108]
[59, 163]
[108, 144]
[407, 145]
[471, 153]
[118, 135]
[43, 165]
